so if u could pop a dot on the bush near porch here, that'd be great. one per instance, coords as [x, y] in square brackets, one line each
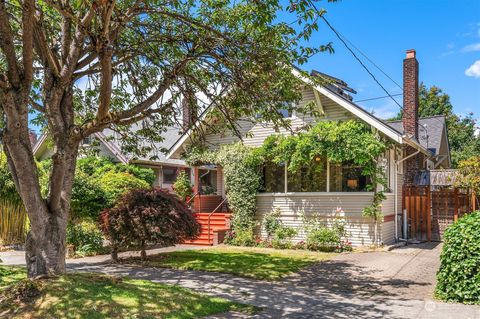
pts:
[459, 274]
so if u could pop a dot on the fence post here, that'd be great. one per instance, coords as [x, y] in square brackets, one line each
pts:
[474, 201]
[429, 214]
[455, 212]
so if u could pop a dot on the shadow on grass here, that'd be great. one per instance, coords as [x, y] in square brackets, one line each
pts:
[85, 295]
[330, 289]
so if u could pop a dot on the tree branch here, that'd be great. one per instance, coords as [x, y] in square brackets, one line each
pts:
[7, 46]
[28, 24]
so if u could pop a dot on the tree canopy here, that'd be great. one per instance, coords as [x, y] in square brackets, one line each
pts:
[84, 66]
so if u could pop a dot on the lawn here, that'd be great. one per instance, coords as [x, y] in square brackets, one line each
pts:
[258, 263]
[86, 295]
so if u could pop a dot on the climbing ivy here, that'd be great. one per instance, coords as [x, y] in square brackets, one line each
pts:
[338, 141]
[241, 170]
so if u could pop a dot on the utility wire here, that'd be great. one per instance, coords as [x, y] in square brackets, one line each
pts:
[377, 98]
[360, 61]
[369, 60]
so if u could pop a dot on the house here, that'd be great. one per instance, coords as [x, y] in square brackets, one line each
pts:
[107, 144]
[417, 144]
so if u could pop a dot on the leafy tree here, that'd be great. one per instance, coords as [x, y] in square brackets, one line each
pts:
[83, 66]
[461, 130]
[469, 174]
[146, 217]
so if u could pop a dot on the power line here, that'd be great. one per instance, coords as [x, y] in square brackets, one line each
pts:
[360, 61]
[369, 60]
[378, 98]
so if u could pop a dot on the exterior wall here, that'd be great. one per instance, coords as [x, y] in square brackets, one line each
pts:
[256, 133]
[360, 230]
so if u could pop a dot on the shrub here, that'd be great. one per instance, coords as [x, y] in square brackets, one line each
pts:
[86, 238]
[146, 217]
[88, 198]
[182, 186]
[278, 234]
[116, 184]
[282, 238]
[322, 239]
[240, 237]
[459, 273]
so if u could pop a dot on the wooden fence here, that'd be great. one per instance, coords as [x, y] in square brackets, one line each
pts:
[431, 210]
[13, 223]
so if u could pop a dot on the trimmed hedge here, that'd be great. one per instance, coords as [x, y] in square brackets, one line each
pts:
[459, 274]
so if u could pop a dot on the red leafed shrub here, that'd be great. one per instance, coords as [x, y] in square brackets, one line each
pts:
[147, 217]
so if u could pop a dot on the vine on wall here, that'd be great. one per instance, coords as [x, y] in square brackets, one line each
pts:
[338, 141]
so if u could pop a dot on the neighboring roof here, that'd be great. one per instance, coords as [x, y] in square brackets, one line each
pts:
[340, 98]
[170, 136]
[430, 130]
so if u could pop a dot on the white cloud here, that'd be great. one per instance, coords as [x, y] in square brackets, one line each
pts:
[474, 70]
[471, 47]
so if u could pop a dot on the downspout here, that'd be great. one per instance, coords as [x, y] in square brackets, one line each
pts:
[397, 163]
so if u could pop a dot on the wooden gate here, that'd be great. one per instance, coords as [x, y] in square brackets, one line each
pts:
[430, 210]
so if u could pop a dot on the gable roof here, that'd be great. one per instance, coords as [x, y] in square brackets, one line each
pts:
[113, 146]
[341, 99]
[430, 129]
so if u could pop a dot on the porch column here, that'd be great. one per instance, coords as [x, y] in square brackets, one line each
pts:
[196, 181]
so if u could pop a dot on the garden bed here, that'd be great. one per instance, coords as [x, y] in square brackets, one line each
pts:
[86, 295]
[258, 263]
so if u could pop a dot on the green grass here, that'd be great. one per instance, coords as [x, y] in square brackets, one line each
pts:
[86, 295]
[258, 263]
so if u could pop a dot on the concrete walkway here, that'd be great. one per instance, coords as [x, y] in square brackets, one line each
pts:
[396, 284]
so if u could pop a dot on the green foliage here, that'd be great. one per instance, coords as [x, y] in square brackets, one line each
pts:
[86, 238]
[8, 191]
[278, 235]
[240, 237]
[146, 217]
[116, 184]
[459, 273]
[97, 166]
[182, 186]
[241, 169]
[469, 174]
[322, 237]
[88, 197]
[461, 130]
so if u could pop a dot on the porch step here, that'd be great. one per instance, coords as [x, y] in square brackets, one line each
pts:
[218, 221]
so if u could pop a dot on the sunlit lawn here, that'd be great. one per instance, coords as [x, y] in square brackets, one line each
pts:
[86, 295]
[259, 263]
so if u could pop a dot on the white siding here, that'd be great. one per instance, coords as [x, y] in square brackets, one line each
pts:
[256, 133]
[360, 230]
[388, 232]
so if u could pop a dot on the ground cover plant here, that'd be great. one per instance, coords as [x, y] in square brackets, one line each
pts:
[258, 263]
[86, 295]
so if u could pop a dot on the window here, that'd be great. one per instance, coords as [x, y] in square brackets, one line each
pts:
[312, 178]
[347, 178]
[169, 175]
[208, 181]
[274, 178]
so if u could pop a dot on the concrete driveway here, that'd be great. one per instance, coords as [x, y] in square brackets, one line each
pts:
[396, 284]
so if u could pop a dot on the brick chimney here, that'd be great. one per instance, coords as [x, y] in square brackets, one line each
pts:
[32, 136]
[410, 95]
[189, 110]
[410, 114]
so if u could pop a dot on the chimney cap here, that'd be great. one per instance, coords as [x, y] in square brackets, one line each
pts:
[411, 53]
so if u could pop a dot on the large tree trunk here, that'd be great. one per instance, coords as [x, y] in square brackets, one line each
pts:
[46, 240]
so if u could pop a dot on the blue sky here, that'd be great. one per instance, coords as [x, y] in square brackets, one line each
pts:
[445, 34]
